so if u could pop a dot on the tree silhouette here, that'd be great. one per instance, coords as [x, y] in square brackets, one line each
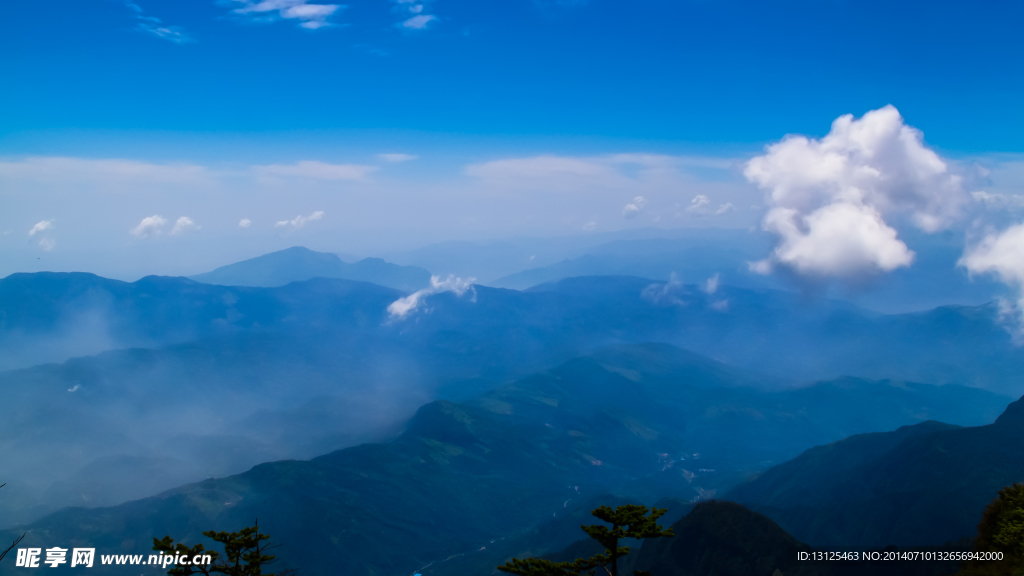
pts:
[1001, 530]
[244, 554]
[16, 540]
[627, 521]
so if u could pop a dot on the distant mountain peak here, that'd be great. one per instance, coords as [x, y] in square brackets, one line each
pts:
[299, 263]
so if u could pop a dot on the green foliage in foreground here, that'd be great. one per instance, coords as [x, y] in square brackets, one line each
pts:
[244, 553]
[628, 521]
[1001, 530]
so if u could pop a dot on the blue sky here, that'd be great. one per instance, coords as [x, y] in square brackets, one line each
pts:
[223, 110]
[683, 71]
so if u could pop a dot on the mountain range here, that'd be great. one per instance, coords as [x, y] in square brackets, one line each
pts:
[318, 365]
[320, 402]
[460, 475]
[694, 256]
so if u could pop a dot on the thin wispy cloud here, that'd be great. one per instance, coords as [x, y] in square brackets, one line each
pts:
[40, 227]
[554, 170]
[300, 221]
[633, 208]
[402, 307]
[244, 223]
[999, 202]
[417, 19]
[419, 22]
[106, 172]
[397, 157]
[155, 27]
[592, 188]
[701, 205]
[711, 284]
[316, 170]
[45, 242]
[308, 15]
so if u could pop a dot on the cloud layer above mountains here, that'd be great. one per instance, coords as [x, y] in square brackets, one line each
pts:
[840, 205]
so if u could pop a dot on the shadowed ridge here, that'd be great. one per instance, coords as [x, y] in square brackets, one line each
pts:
[1013, 417]
[724, 539]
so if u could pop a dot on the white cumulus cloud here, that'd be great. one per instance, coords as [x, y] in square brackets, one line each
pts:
[300, 221]
[828, 198]
[244, 223]
[182, 224]
[149, 226]
[404, 306]
[838, 240]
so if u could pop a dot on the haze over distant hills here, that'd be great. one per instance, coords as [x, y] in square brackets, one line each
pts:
[51, 317]
[167, 381]
[694, 255]
[490, 261]
[297, 263]
[507, 460]
[336, 351]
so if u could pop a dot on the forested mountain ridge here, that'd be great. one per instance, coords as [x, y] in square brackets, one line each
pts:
[922, 484]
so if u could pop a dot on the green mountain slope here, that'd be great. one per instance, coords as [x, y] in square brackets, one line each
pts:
[922, 484]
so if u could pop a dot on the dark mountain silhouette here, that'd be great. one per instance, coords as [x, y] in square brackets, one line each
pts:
[724, 539]
[720, 538]
[297, 264]
[922, 484]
